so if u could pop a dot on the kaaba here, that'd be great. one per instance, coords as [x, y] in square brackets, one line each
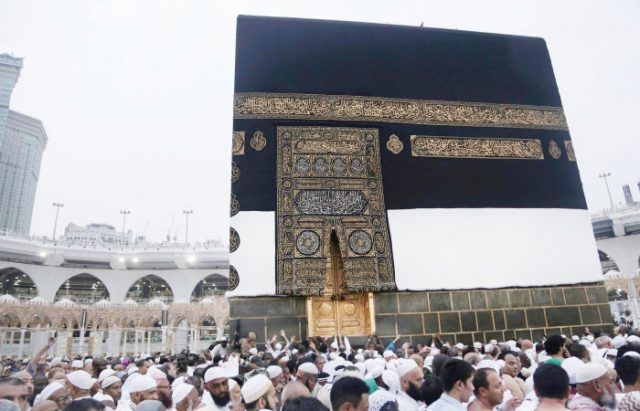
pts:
[404, 180]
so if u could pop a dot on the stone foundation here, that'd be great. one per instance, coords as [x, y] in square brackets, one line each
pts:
[460, 316]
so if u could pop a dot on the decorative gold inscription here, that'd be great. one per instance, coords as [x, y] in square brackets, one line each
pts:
[235, 205]
[393, 110]
[234, 240]
[473, 147]
[329, 181]
[394, 144]
[554, 150]
[568, 147]
[234, 278]
[235, 172]
[258, 141]
[238, 143]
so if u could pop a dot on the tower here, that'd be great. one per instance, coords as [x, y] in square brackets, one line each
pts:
[9, 73]
[20, 157]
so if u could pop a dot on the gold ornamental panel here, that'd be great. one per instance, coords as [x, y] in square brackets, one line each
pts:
[329, 179]
[395, 110]
[476, 147]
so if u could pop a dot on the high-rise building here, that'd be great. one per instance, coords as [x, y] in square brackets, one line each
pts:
[628, 196]
[20, 157]
[9, 73]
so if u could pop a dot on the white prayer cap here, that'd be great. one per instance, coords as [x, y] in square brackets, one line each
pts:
[618, 341]
[255, 388]
[278, 346]
[80, 379]
[56, 361]
[611, 352]
[388, 354]
[109, 381]
[48, 390]
[391, 379]
[493, 342]
[374, 373]
[488, 364]
[631, 354]
[214, 373]
[108, 372]
[571, 365]
[590, 338]
[460, 346]
[586, 343]
[177, 381]
[102, 397]
[575, 338]
[221, 339]
[142, 383]
[309, 368]
[274, 371]
[131, 370]
[633, 339]
[488, 348]
[477, 345]
[294, 351]
[77, 364]
[359, 358]
[589, 372]
[369, 363]
[88, 361]
[181, 392]
[511, 343]
[232, 383]
[333, 355]
[405, 367]
[253, 351]
[361, 368]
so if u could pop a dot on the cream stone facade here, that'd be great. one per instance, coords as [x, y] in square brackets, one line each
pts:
[111, 301]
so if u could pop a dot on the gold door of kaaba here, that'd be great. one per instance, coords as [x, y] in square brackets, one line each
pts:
[332, 233]
[335, 312]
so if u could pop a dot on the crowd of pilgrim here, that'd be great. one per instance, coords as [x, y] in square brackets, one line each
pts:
[594, 371]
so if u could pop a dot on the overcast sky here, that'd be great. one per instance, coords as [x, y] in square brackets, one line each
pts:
[136, 96]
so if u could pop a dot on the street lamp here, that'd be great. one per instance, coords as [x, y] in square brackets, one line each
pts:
[124, 220]
[58, 206]
[605, 175]
[187, 213]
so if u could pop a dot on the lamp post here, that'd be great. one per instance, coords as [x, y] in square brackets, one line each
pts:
[124, 220]
[58, 206]
[187, 213]
[604, 176]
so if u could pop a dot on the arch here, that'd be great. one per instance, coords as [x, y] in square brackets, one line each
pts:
[17, 283]
[213, 284]
[606, 262]
[10, 319]
[148, 288]
[83, 288]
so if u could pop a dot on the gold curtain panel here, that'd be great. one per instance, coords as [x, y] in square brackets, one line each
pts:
[394, 110]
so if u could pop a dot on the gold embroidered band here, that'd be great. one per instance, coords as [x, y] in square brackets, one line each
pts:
[394, 110]
[474, 147]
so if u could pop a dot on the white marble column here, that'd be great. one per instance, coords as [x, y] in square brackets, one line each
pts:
[21, 346]
[163, 345]
[125, 333]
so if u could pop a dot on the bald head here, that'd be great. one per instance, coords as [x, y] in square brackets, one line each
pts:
[294, 390]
